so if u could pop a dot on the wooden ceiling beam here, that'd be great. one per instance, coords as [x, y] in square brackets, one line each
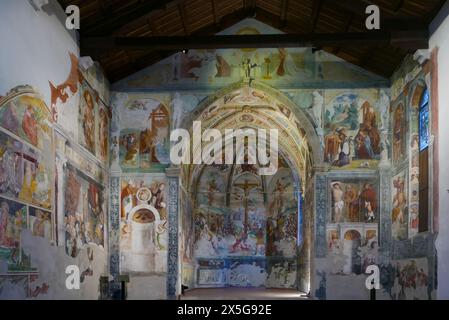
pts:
[411, 39]
[214, 12]
[315, 14]
[250, 7]
[283, 16]
[183, 15]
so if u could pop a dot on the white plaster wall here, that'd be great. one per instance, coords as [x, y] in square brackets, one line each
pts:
[35, 46]
[440, 38]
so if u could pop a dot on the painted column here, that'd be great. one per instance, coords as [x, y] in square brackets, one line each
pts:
[114, 236]
[385, 212]
[173, 212]
[320, 215]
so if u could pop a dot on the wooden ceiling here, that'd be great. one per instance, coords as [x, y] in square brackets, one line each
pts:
[159, 19]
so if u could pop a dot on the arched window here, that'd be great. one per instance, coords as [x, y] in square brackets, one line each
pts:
[424, 133]
[424, 120]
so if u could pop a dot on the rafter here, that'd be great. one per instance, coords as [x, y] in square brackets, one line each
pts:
[283, 17]
[119, 19]
[412, 39]
[214, 12]
[315, 14]
[183, 15]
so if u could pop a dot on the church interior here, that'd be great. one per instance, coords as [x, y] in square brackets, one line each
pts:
[93, 207]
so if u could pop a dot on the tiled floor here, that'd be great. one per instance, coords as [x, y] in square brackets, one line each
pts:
[242, 294]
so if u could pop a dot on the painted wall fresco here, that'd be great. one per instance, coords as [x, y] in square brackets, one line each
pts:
[245, 227]
[79, 108]
[354, 201]
[33, 258]
[143, 224]
[26, 116]
[85, 215]
[40, 223]
[352, 230]
[399, 128]
[144, 135]
[26, 174]
[65, 98]
[282, 221]
[409, 279]
[250, 231]
[352, 128]
[26, 189]
[218, 68]
[13, 221]
[400, 211]
[87, 117]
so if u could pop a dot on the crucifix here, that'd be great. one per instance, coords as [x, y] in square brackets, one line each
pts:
[247, 187]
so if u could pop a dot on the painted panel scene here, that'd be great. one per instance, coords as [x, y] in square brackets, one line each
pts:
[354, 201]
[144, 137]
[13, 219]
[85, 213]
[352, 124]
[24, 173]
[143, 224]
[399, 212]
[246, 220]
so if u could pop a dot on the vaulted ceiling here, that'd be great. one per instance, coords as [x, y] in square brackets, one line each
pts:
[193, 18]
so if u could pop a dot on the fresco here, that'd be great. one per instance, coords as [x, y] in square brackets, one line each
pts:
[351, 129]
[212, 217]
[411, 279]
[399, 128]
[144, 137]
[353, 223]
[85, 216]
[103, 134]
[11, 166]
[40, 223]
[282, 221]
[354, 201]
[281, 273]
[88, 117]
[65, 98]
[13, 220]
[25, 172]
[211, 272]
[351, 248]
[244, 219]
[27, 116]
[143, 226]
[276, 66]
[400, 211]
[83, 95]
[246, 273]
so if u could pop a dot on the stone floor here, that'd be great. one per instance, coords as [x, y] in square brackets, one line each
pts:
[242, 294]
